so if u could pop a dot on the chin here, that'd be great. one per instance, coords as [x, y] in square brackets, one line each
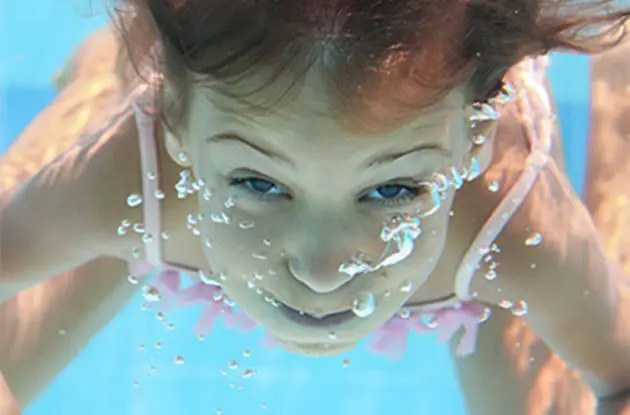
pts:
[316, 349]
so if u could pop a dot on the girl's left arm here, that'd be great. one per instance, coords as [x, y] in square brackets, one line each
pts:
[575, 298]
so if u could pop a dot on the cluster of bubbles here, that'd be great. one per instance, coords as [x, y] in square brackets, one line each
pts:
[401, 230]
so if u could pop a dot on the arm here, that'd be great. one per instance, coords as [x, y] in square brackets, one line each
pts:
[514, 372]
[8, 405]
[67, 213]
[80, 302]
[578, 301]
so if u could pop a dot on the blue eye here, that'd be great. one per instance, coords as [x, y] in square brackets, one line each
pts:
[258, 187]
[386, 194]
[393, 193]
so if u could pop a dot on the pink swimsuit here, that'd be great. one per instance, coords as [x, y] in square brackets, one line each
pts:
[444, 317]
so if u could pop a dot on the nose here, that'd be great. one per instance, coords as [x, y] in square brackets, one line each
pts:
[319, 273]
[325, 237]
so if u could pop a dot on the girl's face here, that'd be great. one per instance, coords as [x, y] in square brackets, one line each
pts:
[304, 195]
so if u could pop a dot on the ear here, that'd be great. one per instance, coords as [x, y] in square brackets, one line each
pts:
[174, 147]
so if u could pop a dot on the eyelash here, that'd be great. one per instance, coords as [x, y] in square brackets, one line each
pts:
[413, 189]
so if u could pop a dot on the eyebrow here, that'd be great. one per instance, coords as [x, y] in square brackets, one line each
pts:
[390, 158]
[270, 154]
[380, 160]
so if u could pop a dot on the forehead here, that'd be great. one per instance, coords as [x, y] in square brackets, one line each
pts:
[309, 118]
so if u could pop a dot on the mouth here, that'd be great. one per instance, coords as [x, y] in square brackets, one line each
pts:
[316, 350]
[329, 320]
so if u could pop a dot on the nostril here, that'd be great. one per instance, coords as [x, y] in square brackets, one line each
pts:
[320, 281]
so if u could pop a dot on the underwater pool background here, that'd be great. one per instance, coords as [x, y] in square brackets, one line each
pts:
[34, 42]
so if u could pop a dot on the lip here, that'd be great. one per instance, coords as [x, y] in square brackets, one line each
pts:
[330, 320]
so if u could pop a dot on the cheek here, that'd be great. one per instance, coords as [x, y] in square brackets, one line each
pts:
[236, 241]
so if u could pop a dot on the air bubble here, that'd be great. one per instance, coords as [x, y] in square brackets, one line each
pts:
[248, 373]
[345, 363]
[406, 286]
[164, 236]
[487, 312]
[267, 242]
[520, 308]
[207, 195]
[151, 293]
[121, 231]
[233, 364]
[147, 238]
[183, 157]
[491, 275]
[230, 202]
[534, 239]
[207, 242]
[151, 176]
[332, 335]
[246, 225]
[259, 256]
[505, 304]
[404, 313]
[138, 228]
[158, 194]
[221, 217]
[207, 279]
[132, 279]
[493, 186]
[363, 305]
[178, 360]
[134, 200]
[135, 252]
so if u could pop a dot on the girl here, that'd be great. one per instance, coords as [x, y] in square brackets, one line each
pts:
[336, 169]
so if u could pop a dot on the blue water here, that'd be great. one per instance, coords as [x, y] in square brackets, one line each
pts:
[34, 42]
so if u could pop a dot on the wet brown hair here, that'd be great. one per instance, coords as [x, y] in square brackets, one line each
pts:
[383, 60]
